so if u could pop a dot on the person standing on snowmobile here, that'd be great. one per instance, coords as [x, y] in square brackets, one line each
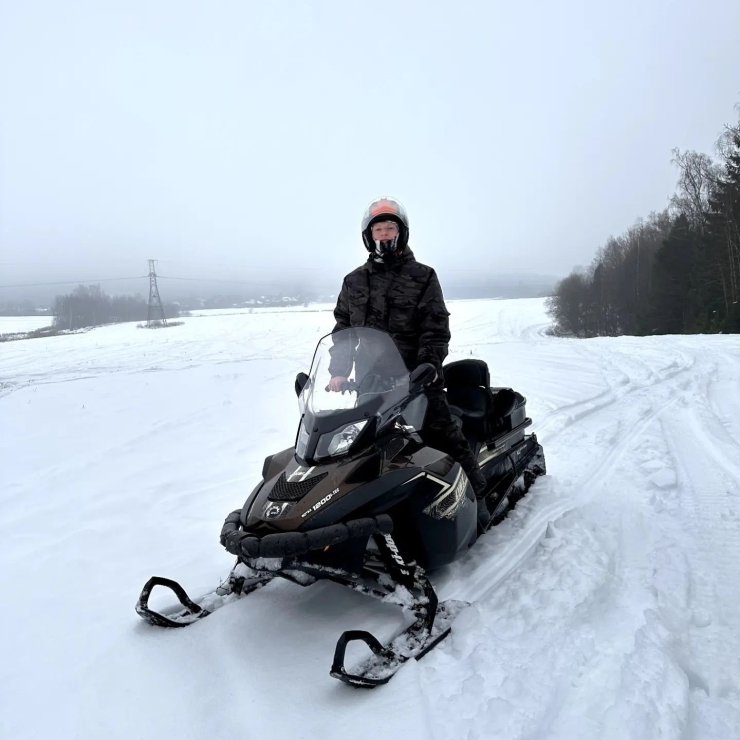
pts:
[396, 294]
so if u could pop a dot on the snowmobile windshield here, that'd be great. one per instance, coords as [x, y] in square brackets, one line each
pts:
[358, 384]
[376, 375]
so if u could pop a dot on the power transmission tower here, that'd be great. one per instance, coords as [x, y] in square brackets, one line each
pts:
[155, 314]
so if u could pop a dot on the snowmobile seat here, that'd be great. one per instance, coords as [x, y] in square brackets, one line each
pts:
[483, 411]
[469, 396]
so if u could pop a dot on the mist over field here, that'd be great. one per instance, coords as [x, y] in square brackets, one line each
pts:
[240, 145]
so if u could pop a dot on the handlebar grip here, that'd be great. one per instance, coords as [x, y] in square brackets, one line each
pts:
[348, 385]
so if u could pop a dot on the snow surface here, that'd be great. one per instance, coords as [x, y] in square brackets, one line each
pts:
[14, 324]
[605, 605]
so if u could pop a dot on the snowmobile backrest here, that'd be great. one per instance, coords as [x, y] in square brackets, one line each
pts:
[466, 374]
[467, 384]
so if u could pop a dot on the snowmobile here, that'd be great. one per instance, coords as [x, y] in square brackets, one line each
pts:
[361, 501]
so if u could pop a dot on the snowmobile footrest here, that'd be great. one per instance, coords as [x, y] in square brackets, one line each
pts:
[414, 642]
[191, 613]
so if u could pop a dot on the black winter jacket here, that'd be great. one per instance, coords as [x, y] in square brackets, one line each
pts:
[404, 299]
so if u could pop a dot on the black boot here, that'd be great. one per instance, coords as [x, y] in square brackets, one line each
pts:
[478, 481]
[444, 433]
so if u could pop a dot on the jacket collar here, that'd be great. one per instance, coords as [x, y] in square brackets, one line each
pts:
[377, 265]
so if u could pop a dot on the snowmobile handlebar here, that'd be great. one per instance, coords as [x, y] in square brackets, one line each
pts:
[348, 386]
[418, 379]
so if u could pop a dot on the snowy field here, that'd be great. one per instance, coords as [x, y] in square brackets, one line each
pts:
[14, 324]
[606, 605]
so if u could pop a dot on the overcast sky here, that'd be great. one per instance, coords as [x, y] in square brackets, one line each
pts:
[237, 139]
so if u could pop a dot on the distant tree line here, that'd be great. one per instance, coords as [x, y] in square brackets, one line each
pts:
[22, 307]
[678, 272]
[88, 305]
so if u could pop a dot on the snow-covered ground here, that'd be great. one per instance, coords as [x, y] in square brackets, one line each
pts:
[606, 605]
[15, 324]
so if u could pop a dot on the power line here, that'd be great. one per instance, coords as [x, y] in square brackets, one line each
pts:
[74, 282]
[210, 280]
[136, 277]
[253, 282]
[215, 280]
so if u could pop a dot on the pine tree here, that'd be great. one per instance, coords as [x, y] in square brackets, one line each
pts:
[723, 237]
[668, 310]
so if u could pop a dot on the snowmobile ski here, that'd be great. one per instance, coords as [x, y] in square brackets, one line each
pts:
[414, 642]
[234, 587]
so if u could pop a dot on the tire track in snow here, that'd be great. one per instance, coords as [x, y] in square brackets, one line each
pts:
[709, 511]
[502, 559]
[615, 393]
[710, 387]
[634, 644]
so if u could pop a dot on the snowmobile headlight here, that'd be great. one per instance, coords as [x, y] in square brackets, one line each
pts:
[338, 442]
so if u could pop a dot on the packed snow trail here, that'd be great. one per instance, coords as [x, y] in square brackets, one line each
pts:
[604, 605]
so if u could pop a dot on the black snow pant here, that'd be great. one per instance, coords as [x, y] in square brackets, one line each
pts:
[443, 433]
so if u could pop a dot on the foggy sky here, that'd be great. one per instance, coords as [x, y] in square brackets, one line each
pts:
[239, 139]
